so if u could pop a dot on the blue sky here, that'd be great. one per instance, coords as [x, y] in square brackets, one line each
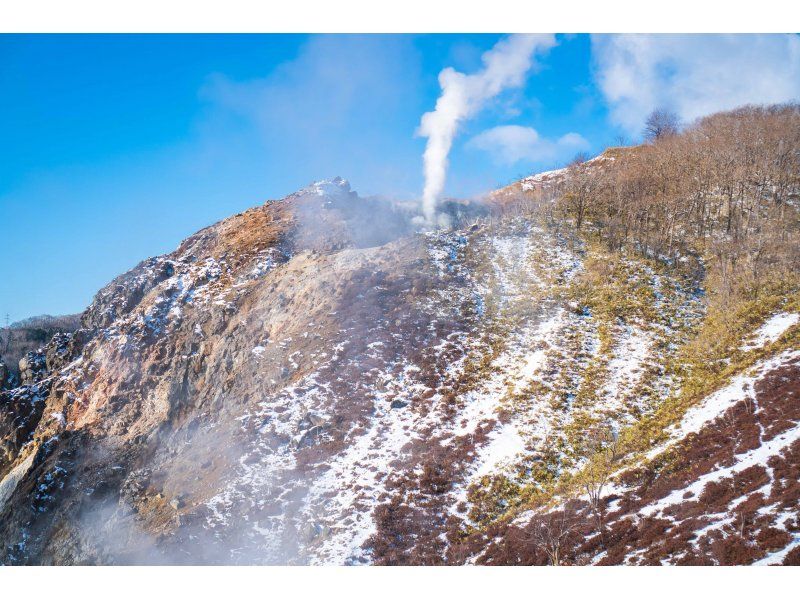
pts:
[115, 148]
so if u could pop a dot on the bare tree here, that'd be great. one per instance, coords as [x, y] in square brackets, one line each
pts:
[661, 123]
[555, 532]
[603, 449]
[578, 159]
[578, 191]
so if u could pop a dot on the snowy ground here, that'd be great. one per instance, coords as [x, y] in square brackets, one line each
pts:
[772, 330]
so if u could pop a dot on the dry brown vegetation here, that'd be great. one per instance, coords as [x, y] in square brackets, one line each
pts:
[725, 189]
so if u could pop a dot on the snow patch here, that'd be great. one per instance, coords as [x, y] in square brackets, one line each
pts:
[757, 456]
[504, 444]
[738, 389]
[771, 330]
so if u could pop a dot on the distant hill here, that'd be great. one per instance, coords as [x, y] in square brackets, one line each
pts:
[66, 323]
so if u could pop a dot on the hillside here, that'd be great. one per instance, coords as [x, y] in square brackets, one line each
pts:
[596, 365]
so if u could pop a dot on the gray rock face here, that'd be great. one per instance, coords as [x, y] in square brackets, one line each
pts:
[125, 292]
[196, 365]
[20, 413]
[33, 367]
[59, 351]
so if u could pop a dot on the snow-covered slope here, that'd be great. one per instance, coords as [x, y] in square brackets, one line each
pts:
[313, 382]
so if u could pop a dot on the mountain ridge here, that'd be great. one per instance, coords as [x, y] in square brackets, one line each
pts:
[314, 380]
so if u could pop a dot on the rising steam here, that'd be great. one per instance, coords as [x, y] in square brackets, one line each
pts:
[505, 66]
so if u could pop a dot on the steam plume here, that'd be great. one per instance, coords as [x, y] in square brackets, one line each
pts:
[505, 66]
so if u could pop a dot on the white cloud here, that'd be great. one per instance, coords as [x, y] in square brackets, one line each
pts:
[693, 75]
[509, 144]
